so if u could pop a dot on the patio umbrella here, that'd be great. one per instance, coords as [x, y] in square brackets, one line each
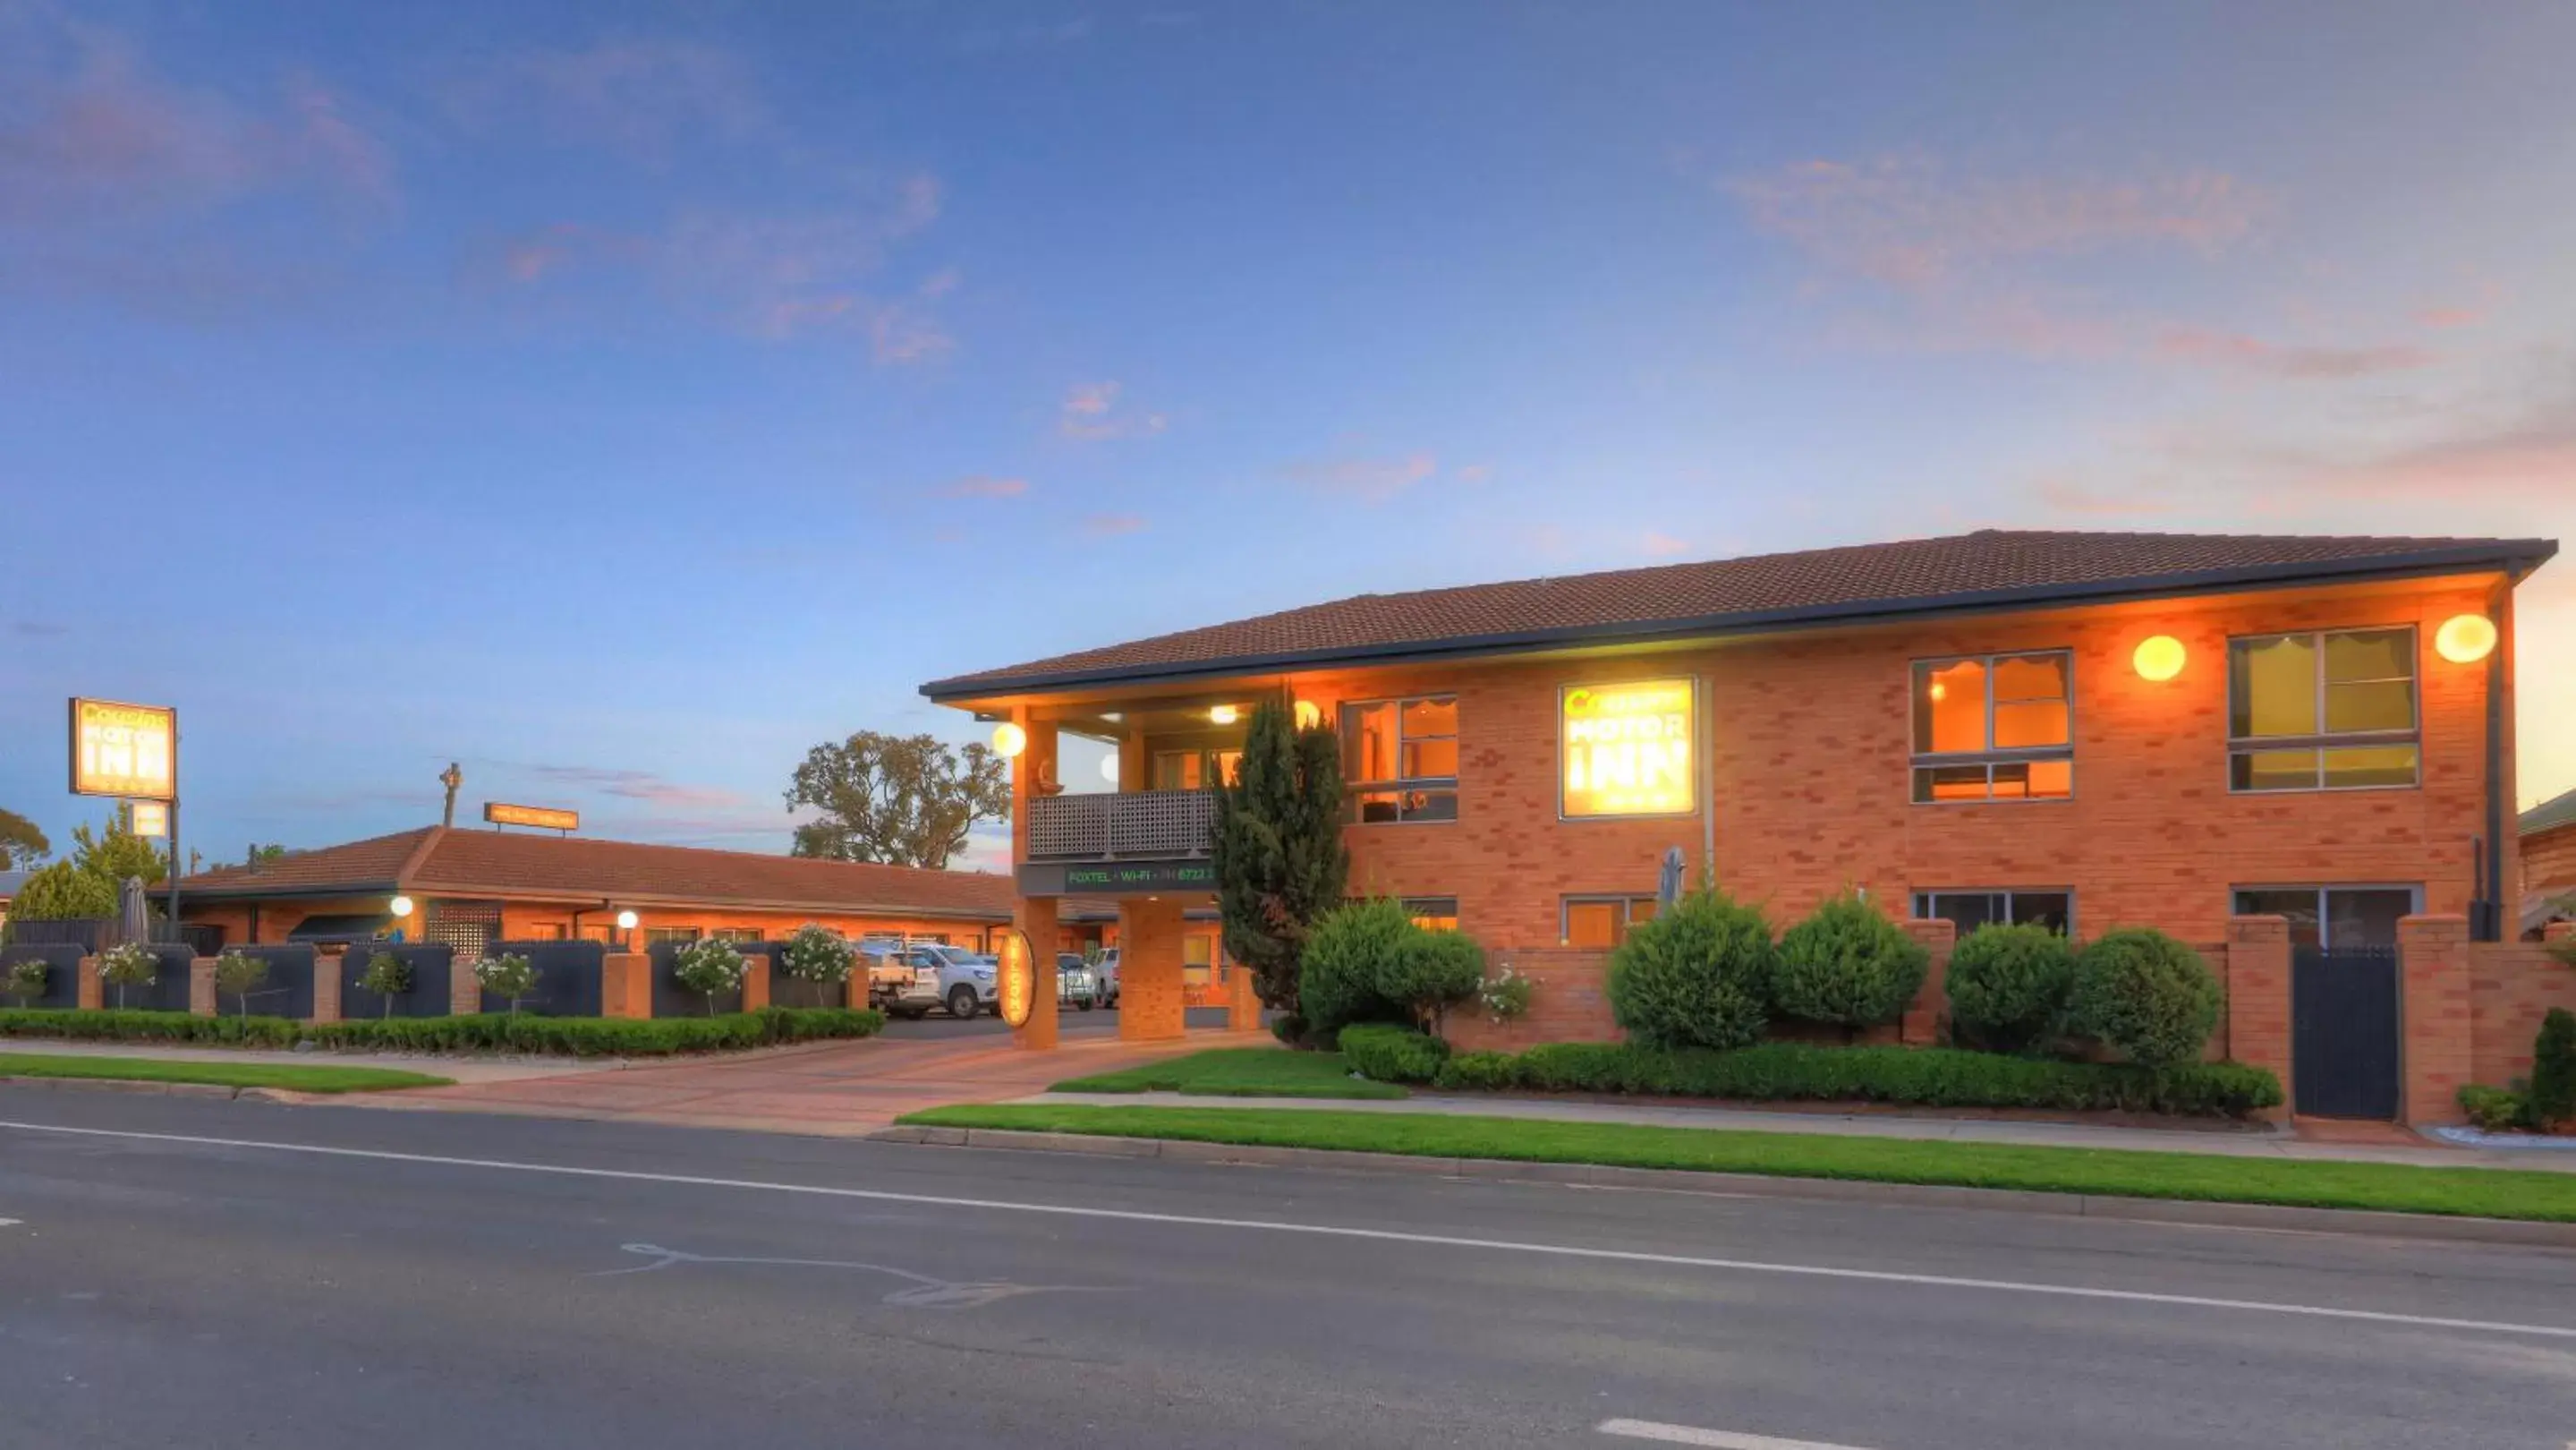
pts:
[1668, 890]
[133, 923]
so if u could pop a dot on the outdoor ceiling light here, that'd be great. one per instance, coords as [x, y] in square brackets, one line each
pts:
[1009, 740]
[402, 906]
[2465, 639]
[1223, 715]
[2158, 657]
[1109, 769]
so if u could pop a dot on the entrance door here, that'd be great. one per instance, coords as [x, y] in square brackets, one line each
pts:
[2344, 1031]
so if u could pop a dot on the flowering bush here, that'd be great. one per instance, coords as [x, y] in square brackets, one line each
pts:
[1504, 996]
[508, 976]
[709, 968]
[24, 980]
[239, 975]
[389, 976]
[128, 964]
[817, 957]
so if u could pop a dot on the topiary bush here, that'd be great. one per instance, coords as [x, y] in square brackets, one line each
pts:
[389, 977]
[24, 979]
[1698, 975]
[2008, 987]
[1354, 949]
[508, 976]
[710, 968]
[819, 958]
[2494, 1109]
[1847, 966]
[1435, 971]
[1478, 1072]
[2145, 994]
[1383, 1052]
[2551, 1102]
[237, 975]
[128, 964]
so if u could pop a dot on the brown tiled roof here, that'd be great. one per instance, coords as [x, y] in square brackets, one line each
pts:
[437, 860]
[1989, 568]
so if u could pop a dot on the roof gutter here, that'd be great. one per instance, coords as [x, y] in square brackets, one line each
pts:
[2516, 560]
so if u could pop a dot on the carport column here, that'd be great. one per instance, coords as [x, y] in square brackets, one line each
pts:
[2433, 956]
[2257, 1030]
[1150, 972]
[1035, 915]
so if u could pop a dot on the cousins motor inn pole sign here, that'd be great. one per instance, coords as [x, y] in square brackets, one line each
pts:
[130, 751]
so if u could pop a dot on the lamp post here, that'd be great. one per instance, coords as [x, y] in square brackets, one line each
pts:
[402, 909]
[626, 923]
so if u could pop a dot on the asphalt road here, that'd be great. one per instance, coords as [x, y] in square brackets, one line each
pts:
[654, 1288]
[939, 1024]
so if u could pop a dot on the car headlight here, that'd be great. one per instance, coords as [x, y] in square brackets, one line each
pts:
[983, 974]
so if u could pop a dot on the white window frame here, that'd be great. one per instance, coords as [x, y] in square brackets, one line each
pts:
[1920, 760]
[2324, 740]
[1428, 784]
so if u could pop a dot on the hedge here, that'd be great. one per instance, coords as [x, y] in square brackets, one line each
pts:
[1386, 1053]
[490, 1032]
[1915, 1076]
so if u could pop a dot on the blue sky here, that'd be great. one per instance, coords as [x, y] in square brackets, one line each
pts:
[622, 399]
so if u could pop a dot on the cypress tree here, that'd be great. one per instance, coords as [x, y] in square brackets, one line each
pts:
[1280, 862]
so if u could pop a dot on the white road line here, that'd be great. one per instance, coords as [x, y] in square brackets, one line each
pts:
[1320, 1230]
[1718, 1439]
[11, 1222]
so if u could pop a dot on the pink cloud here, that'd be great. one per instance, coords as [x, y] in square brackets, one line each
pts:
[1372, 479]
[978, 485]
[1091, 413]
[2232, 350]
[940, 283]
[1662, 545]
[1101, 526]
[638, 785]
[640, 96]
[1474, 473]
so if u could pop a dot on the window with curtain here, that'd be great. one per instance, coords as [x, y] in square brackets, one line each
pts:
[1400, 758]
[2331, 710]
[1994, 727]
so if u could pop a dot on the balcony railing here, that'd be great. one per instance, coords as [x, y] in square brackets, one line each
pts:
[1146, 825]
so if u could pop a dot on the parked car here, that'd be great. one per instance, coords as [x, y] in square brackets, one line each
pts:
[1105, 972]
[1075, 983]
[909, 980]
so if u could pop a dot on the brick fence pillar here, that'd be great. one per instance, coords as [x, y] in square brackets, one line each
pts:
[1242, 1004]
[201, 987]
[91, 989]
[327, 967]
[1152, 1005]
[1921, 1026]
[464, 989]
[2257, 1030]
[626, 984]
[2438, 1040]
[755, 982]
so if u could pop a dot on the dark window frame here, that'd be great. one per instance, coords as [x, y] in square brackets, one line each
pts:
[2324, 891]
[1626, 901]
[1925, 909]
[1925, 764]
[1426, 788]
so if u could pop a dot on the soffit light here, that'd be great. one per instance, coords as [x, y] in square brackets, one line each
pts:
[1009, 740]
[626, 920]
[2465, 639]
[1223, 715]
[2159, 657]
[402, 906]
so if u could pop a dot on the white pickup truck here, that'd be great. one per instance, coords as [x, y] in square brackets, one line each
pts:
[909, 980]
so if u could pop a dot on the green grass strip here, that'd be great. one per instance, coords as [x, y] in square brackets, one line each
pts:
[296, 1076]
[2211, 1178]
[1240, 1072]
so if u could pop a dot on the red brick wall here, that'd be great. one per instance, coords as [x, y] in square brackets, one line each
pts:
[1567, 1002]
[2439, 1023]
[1150, 984]
[2549, 860]
[2512, 986]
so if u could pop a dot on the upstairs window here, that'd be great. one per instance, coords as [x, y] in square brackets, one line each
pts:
[1196, 769]
[1400, 758]
[2331, 710]
[1994, 727]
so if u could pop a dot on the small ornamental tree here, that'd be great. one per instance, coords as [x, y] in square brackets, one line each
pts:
[1848, 966]
[389, 977]
[24, 980]
[1436, 970]
[237, 975]
[2552, 1098]
[128, 964]
[1277, 849]
[2146, 994]
[709, 968]
[1698, 975]
[2008, 986]
[819, 958]
[508, 976]
[64, 892]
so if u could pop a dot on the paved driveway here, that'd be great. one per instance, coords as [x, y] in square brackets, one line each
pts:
[835, 1088]
[940, 1027]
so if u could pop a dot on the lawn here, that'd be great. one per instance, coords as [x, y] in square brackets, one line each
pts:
[295, 1076]
[2476, 1192]
[1240, 1072]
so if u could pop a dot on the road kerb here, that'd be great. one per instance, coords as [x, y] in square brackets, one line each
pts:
[126, 1085]
[2276, 1217]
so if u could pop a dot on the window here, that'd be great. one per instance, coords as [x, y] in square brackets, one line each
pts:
[1994, 727]
[738, 934]
[1401, 758]
[1603, 921]
[1433, 913]
[1198, 953]
[2327, 711]
[1969, 909]
[1195, 769]
[2333, 916]
[678, 935]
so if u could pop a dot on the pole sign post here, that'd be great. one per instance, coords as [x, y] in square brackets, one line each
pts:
[151, 818]
[1015, 976]
[132, 752]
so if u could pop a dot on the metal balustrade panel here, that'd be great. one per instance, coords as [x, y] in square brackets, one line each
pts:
[1134, 825]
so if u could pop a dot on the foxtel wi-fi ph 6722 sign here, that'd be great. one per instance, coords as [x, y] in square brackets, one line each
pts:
[125, 750]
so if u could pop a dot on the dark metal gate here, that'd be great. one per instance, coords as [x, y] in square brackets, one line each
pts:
[2344, 1032]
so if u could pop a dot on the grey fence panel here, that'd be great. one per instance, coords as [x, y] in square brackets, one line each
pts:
[670, 999]
[62, 972]
[568, 977]
[288, 992]
[166, 992]
[428, 996]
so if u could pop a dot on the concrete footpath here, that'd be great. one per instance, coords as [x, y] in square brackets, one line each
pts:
[2250, 1142]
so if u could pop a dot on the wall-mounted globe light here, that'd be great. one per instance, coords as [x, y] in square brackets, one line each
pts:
[2465, 639]
[1009, 740]
[2158, 658]
[1109, 769]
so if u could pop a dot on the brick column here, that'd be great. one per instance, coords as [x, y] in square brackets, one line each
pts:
[464, 993]
[1243, 1003]
[1035, 915]
[854, 987]
[201, 987]
[326, 986]
[626, 984]
[92, 991]
[755, 982]
[2257, 1029]
[2438, 1042]
[1921, 1026]
[1150, 970]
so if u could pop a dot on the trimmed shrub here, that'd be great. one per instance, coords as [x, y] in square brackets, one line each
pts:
[1698, 975]
[389, 977]
[599, 1036]
[2008, 987]
[1478, 1072]
[1289, 1028]
[2492, 1108]
[128, 964]
[1435, 971]
[139, 1026]
[508, 976]
[24, 979]
[817, 957]
[1353, 949]
[238, 976]
[1916, 1076]
[2552, 1098]
[1386, 1053]
[2145, 994]
[1847, 965]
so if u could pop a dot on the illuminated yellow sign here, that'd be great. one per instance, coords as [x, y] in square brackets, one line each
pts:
[1015, 975]
[1628, 750]
[151, 818]
[125, 750]
[553, 820]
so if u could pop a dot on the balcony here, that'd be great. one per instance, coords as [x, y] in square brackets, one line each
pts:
[1146, 825]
